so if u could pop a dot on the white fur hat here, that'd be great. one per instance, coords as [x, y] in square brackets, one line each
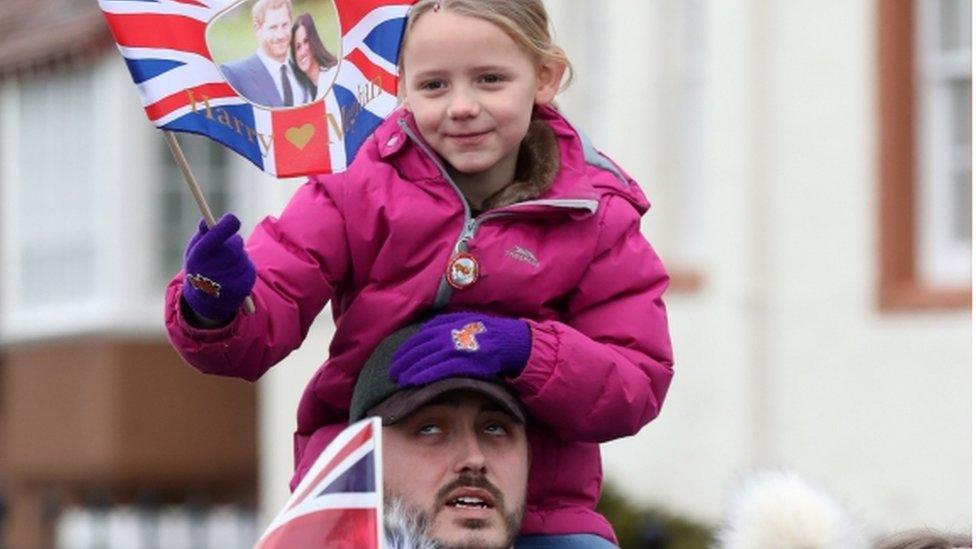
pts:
[778, 510]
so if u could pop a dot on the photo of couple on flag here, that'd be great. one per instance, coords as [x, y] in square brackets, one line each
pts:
[290, 65]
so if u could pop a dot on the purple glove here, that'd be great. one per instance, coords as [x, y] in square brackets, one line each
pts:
[462, 345]
[219, 275]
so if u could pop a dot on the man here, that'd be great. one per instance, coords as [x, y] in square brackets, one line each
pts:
[455, 453]
[456, 459]
[267, 77]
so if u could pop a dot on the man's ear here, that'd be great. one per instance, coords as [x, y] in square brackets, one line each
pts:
[550, 77]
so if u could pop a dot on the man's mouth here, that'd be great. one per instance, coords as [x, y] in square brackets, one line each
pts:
[469, 503]
[470, 498]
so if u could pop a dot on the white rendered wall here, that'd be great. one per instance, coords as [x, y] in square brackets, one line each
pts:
[782, 356]
[878, 405]
[683, 460]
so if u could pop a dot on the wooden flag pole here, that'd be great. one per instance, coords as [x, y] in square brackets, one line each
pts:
[191, 182]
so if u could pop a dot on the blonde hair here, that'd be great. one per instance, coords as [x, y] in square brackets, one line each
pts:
[261, 8]
[525, 21]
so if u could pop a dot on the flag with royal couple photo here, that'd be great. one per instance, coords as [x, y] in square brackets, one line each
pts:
[294, 86]
[339, 503]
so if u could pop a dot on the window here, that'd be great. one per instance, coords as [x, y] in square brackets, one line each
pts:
[55, 221]
[48, 206]
[94, 213]
[925, 182]
[944, 77]
[179, 214]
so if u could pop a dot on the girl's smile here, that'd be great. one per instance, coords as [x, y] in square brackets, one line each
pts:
[469, 139]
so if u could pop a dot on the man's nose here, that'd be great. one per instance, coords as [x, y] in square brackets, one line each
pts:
[463, 105]
[470, 456]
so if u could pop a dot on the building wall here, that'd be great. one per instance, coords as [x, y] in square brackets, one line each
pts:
[783, 358]
[94, 403]
[853, 387]
[115, 418]
[96, 408]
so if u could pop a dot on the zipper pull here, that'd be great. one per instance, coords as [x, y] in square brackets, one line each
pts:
[466, 234]
[469, 228]
[463, 270]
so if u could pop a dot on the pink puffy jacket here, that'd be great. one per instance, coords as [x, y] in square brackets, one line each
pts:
[376, 240]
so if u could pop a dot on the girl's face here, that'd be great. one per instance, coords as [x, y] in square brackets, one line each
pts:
[303, 50]
[471, 89]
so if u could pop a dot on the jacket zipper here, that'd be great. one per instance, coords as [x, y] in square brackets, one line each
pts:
[471, 224]
[437, 161]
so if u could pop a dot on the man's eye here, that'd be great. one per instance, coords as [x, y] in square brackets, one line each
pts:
[496, 429]
[429, 430]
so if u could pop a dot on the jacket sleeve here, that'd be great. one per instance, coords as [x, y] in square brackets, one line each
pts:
[300, 259]
[602, 373]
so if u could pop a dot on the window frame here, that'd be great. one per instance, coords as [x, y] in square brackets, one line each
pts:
[19, 318]
[900, 284]
[129, 283]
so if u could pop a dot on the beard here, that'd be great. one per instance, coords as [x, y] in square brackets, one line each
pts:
[407, 527]
[404, 527]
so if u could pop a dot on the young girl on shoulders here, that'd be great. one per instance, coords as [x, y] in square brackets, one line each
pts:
[476, 195]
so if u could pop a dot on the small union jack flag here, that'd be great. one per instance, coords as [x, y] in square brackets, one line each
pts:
[339, 503]
[164, 45]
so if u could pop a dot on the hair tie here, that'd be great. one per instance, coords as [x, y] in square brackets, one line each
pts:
[437, 5]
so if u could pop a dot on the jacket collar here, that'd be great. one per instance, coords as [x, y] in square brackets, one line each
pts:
[575, 156]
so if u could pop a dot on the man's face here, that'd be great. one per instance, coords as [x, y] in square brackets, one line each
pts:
[274, 33]
[462, 464]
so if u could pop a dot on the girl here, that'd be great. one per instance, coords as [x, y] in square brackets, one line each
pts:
[477, 195]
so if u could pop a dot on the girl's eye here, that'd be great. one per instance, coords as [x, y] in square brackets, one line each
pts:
[491, 78]
[432, 85]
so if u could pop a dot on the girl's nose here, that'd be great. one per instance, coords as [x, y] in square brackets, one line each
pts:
[463, 106]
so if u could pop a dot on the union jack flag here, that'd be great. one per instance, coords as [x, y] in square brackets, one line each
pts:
[339, 503]
[163, 43]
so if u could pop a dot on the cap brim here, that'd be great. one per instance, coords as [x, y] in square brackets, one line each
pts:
[404, 402]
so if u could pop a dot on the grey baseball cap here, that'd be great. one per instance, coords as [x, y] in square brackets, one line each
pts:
[376, 394]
